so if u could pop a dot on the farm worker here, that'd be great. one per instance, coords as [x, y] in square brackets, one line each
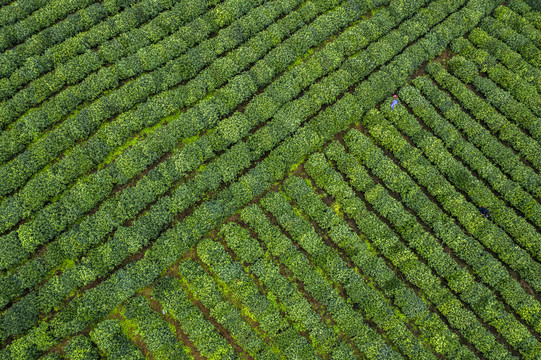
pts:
[484, 211]
[394, 102]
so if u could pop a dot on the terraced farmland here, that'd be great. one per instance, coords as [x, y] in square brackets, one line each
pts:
[257, 179]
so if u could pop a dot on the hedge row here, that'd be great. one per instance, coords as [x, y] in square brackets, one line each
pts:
[113, 343]
[262, 308]
[514, 40]
[511, 193]
[298, 310]
[525, 10]
[347, 320]
[489, 269]
[79, 67]
[164, 70]
[373, 305]
[464, 181]
[510, 81]
[81, 348]
[43, 17]
[441, 339]
[204, 289]
[508, 57]
[490, 146]
[173, 243]
[120, 34]
[519, 24]
[227, 133]
[526, 147]
[115, 211]
[159, 338]
[407, 262]
[12, 11]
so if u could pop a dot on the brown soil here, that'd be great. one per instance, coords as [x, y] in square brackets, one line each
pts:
[419, 72]
[445, 56]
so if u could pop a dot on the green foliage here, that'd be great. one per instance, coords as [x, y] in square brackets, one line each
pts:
[506, 131]
[159, 338]
[110, 339]
[386, 241]
[463, 69]
[201, 333]
[382, 167]
[239, 240]
[207, 291]
[81, 348]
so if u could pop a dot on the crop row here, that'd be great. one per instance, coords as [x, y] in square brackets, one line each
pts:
[81, 348]
[112, 341]
[228, 132]
[81, 21]
[441, 339]
[323, 337]
[513, 39]
[388, 243]
[120, 34]
[522, 232]
[507, 56]
[45, 16]
[206, 290]
[159, 338]
[166, 70]
[219, 140]
[509, 103]
[509, 162]
[372, 304]
[130, 163]
[488, 268]
[86, 65]
[484, 231]
[507, 189]
[518, 23]
[21, 63]
[176, 241]
[347, 320]
[267, 313]
[204, 115]
[533, 16]
[352, 67]
[481, 60]
[75, 242]
[78, 240]
[429, 145]
[11, 11]
[506, 131]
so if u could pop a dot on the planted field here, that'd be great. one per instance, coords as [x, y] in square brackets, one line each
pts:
[257, 179]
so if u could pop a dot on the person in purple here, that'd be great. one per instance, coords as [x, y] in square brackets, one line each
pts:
[395, 101]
